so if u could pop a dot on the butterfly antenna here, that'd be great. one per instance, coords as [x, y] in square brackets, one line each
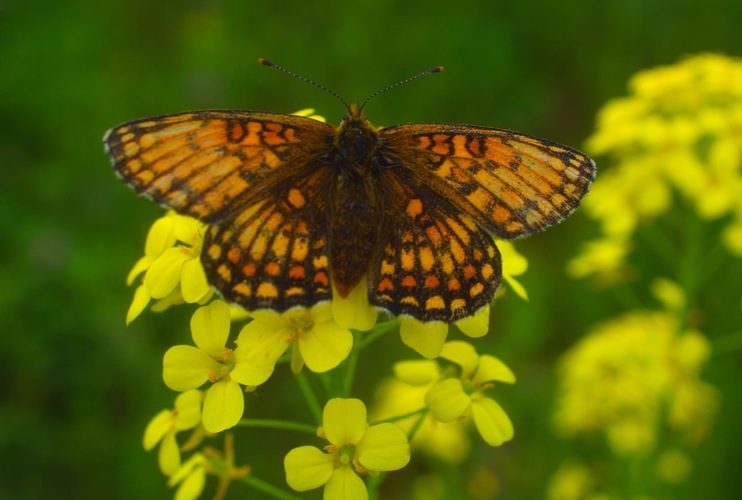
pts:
[269, 64]
[437, 69]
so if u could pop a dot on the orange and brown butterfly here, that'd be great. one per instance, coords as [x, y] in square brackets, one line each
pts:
[297, 207]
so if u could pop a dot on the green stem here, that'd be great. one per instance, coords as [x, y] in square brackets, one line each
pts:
[380, 330]
[690, 258]
[267, 488]
[350, 366]
[309, 396]
[277, 424]
[401, 417]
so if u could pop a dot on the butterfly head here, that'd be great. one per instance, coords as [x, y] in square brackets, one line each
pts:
[356, 138]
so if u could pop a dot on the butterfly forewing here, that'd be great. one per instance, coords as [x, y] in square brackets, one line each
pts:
[511, 184]
[210, 164]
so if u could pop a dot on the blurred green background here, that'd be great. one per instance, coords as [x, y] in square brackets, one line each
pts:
[79, 387]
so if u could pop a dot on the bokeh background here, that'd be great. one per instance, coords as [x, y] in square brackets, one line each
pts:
[78, 387]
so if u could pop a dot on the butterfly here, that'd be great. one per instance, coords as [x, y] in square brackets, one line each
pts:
[299, 209]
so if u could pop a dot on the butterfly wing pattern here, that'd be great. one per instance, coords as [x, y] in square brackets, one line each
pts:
[298, 207]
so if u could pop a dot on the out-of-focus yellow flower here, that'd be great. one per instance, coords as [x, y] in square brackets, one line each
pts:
[172, 270]
[676, 135]
[355, 447]
[190, 478]
[459, 397]
[405, 393]
[631, 375]
[572, 481]
[674, 466]
[166, 424]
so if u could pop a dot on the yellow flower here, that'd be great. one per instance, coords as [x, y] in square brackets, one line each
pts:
[455, 398]
[405, 393]
[354, 448]
[572, 481]
[187, 367]
[166, 424]
[630, 375]
[316, 338]
[171, 266]
[676, 135]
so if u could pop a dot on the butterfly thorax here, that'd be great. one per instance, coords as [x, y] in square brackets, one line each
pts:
[354, 220]
[355, 142]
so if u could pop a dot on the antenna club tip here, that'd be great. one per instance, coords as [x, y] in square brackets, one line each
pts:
[437, 69]
[265, 62]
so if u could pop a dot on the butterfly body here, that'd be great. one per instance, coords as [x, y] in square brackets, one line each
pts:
[297, 207]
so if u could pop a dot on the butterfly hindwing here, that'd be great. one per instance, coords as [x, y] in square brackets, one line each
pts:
[512, 184]
[273, 255]
[434, 262]
[209, 164]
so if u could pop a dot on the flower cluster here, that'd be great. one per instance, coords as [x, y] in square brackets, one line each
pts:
[453, 396]
[633, 376]
[676, 136]
[172, 270]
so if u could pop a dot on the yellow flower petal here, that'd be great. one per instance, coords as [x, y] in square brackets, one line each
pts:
[271, 319]
[192, 485]
[156, 428]
[262, 343]
[163, 274]
[141, 299]
[463, 354]
[187, 229]
[325, 346]
[193, 284]
[223, 406]
[160, 236]
[344, 484]
[141, 266]
[188, 410]
[425, 338]
[513, 264]
[354, 311]
[344, 421]
[307, 468]
[491, 421]
[247, 372]
[384, 447]
[417, 372]
[477, 325]
[492, 369]
[189, 467]
[516, 286]
[210, 327]
[185, 367]
[447, 400]
[168, 457]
